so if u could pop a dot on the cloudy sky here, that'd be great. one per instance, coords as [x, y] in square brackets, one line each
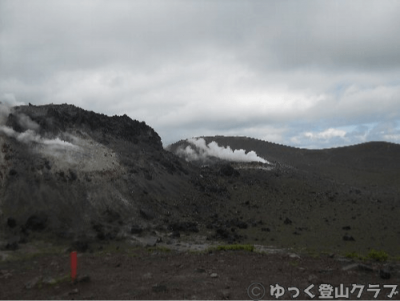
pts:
[311, 74]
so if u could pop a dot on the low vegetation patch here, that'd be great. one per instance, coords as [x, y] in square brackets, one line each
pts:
[372, 255]
[377, 255]
[354, 255]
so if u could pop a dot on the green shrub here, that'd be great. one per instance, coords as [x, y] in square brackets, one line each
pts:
[353, 255]
[378, 255]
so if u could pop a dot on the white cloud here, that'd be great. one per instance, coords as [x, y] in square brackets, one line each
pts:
[327, 134]
[333, 137]
[272, 70]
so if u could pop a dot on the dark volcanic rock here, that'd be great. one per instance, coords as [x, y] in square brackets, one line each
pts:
[11, 222]
[101, 232]
[147, 214]
[80, 245]
[11, 246]
[184, 226]
[58, 118]
[348, 237]
[12, 172]
[384, 274]
[222, 233]
[287, 221]
[72, 175]
[228, 170]
[36, 222]
[241, 225]
[230, 237]
[136, 229]
[175, 234]
[111, 215]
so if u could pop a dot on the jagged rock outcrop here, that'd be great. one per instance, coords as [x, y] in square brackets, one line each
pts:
[64, 169]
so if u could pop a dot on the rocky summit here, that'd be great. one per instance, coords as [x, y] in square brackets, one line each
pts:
[71, 174]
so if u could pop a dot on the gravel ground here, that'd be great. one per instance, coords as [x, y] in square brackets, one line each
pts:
[159, 273]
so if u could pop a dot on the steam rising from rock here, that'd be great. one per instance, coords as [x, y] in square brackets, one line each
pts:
[27, 123]
[203, 151]
[31, 127]
[4, 112]
[30, 136]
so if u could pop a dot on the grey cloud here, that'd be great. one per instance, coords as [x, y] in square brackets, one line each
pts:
[265, 68]
[83, 35]
[64, 35]
[68, 35]
[335, 35]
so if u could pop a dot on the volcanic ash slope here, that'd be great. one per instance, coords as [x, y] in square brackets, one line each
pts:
[66, 169]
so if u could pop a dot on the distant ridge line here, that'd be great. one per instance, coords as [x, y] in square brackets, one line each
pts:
[282, 145]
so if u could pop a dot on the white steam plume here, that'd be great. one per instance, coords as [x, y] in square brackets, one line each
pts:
[30, 135]
[7, 102]
[202, 151]
[27, 123]
[5, 110]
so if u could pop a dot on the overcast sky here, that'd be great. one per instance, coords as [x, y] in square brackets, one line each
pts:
[311, 74]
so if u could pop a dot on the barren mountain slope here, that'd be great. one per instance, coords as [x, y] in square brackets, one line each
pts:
[343, 200]
[367, 164]
[69, 170]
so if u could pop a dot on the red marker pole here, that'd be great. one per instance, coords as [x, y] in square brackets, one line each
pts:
[74, 265]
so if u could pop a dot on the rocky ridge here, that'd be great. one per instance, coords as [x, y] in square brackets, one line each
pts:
[73, 172]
